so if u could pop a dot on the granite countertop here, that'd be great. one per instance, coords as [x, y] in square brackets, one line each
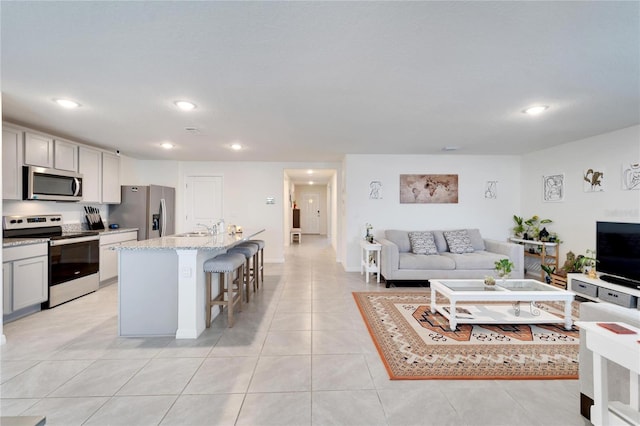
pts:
[176, 242]
[116, 231]
[16, 242]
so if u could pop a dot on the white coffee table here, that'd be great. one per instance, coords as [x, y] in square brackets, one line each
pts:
[515, 291]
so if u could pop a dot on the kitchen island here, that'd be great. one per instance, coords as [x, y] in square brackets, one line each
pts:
[161, 283]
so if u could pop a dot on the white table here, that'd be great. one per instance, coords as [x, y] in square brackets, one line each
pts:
[515, 291]
[623, 349]
[369, 263]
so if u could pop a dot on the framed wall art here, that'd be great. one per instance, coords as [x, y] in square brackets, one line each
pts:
[491, 189]
[428, 189]
[553, 188]
[593, 180]
[375, 190]
[631, 176]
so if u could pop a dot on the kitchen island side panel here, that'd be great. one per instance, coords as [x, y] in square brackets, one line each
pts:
[148, 293]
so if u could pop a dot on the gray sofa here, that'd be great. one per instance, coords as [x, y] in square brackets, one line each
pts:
[398, 263]
[618, 376]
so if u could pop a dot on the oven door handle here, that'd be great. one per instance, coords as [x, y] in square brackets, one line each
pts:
[73, 240]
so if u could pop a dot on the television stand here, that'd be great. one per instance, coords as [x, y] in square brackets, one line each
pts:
[599, 290]
[620, 281]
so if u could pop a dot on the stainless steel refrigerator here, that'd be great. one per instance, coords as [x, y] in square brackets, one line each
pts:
[150, 208]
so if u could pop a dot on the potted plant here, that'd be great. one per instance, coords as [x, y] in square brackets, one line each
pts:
[533, 226]
[549, 271]
[580, 263]
[518, 229]
[504, 268]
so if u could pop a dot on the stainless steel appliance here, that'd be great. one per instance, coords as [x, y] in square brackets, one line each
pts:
[40, 183]
[149, 208]
[74, 257]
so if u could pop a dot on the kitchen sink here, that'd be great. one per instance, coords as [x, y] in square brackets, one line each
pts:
[194, 234]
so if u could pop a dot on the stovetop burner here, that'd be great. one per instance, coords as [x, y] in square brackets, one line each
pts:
[41, 226]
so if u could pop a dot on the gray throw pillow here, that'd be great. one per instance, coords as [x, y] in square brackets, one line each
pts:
[422, 243]
[458, 241]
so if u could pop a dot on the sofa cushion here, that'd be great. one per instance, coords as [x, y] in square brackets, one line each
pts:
[477, 242]
[419, 261]
[422, 243]
[476, 260]
[458, 241]
[441, 243]
[399, 238]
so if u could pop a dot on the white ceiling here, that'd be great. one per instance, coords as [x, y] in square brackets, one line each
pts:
[312, 81]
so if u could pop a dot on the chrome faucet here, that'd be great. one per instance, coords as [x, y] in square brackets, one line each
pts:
[212, 230]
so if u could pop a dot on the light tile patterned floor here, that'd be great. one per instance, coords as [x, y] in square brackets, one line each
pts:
[299, 354]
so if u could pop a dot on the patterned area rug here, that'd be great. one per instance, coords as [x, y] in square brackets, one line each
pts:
[416, 344]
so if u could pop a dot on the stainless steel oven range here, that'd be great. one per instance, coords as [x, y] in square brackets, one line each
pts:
[74, 257]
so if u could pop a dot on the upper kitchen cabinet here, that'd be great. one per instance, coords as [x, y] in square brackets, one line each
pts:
[90, 165]
[110, 178]
[65, 155]
[38, 150]
[11, 163]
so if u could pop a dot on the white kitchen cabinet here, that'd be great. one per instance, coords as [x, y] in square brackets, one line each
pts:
[38, 150]
[30, 281]
[7, 279]
[26, 272]
[65, 155]
[109, 257]
[90, 165]
[11, 163]
[110, 178]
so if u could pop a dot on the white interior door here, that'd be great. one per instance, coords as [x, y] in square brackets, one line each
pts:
[203, 201]
[310, 213]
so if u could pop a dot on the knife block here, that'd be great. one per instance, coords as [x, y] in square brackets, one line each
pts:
[94, 226]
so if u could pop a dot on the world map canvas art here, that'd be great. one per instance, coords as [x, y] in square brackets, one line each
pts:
[421, 189]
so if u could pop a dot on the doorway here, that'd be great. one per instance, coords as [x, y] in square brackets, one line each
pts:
[310, 213]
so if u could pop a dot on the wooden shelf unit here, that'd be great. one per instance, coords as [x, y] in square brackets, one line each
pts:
[546, 253]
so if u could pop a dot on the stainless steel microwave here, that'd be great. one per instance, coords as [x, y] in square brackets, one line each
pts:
[40, 183]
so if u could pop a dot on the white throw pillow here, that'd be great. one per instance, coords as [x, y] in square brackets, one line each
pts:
[422, 243]
[458, 241]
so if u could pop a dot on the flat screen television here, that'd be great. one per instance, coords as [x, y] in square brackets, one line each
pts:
[618, 252]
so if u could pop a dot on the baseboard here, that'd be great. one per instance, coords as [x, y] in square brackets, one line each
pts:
[585, 406]
[274, 260]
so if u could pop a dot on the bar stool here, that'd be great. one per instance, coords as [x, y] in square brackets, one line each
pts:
[224, 264]
[261, 245]
[250, 252]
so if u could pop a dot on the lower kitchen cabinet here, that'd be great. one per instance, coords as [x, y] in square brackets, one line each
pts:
[26, 276]
[108, 256]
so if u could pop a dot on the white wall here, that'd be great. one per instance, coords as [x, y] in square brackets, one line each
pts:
[575, 218]
[491, 216]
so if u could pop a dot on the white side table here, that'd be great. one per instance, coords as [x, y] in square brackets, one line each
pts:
[622, 349]
[368, 262]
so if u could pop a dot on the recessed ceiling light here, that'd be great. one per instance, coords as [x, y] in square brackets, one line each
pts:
[309, 172]
[167, 145]
[310, 182]
[185, 105]
[236, 147]
[535, 110]
[66, 103]
[450, 148]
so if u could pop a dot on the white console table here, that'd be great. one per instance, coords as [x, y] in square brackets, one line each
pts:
[623, 349]
[368, 263]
